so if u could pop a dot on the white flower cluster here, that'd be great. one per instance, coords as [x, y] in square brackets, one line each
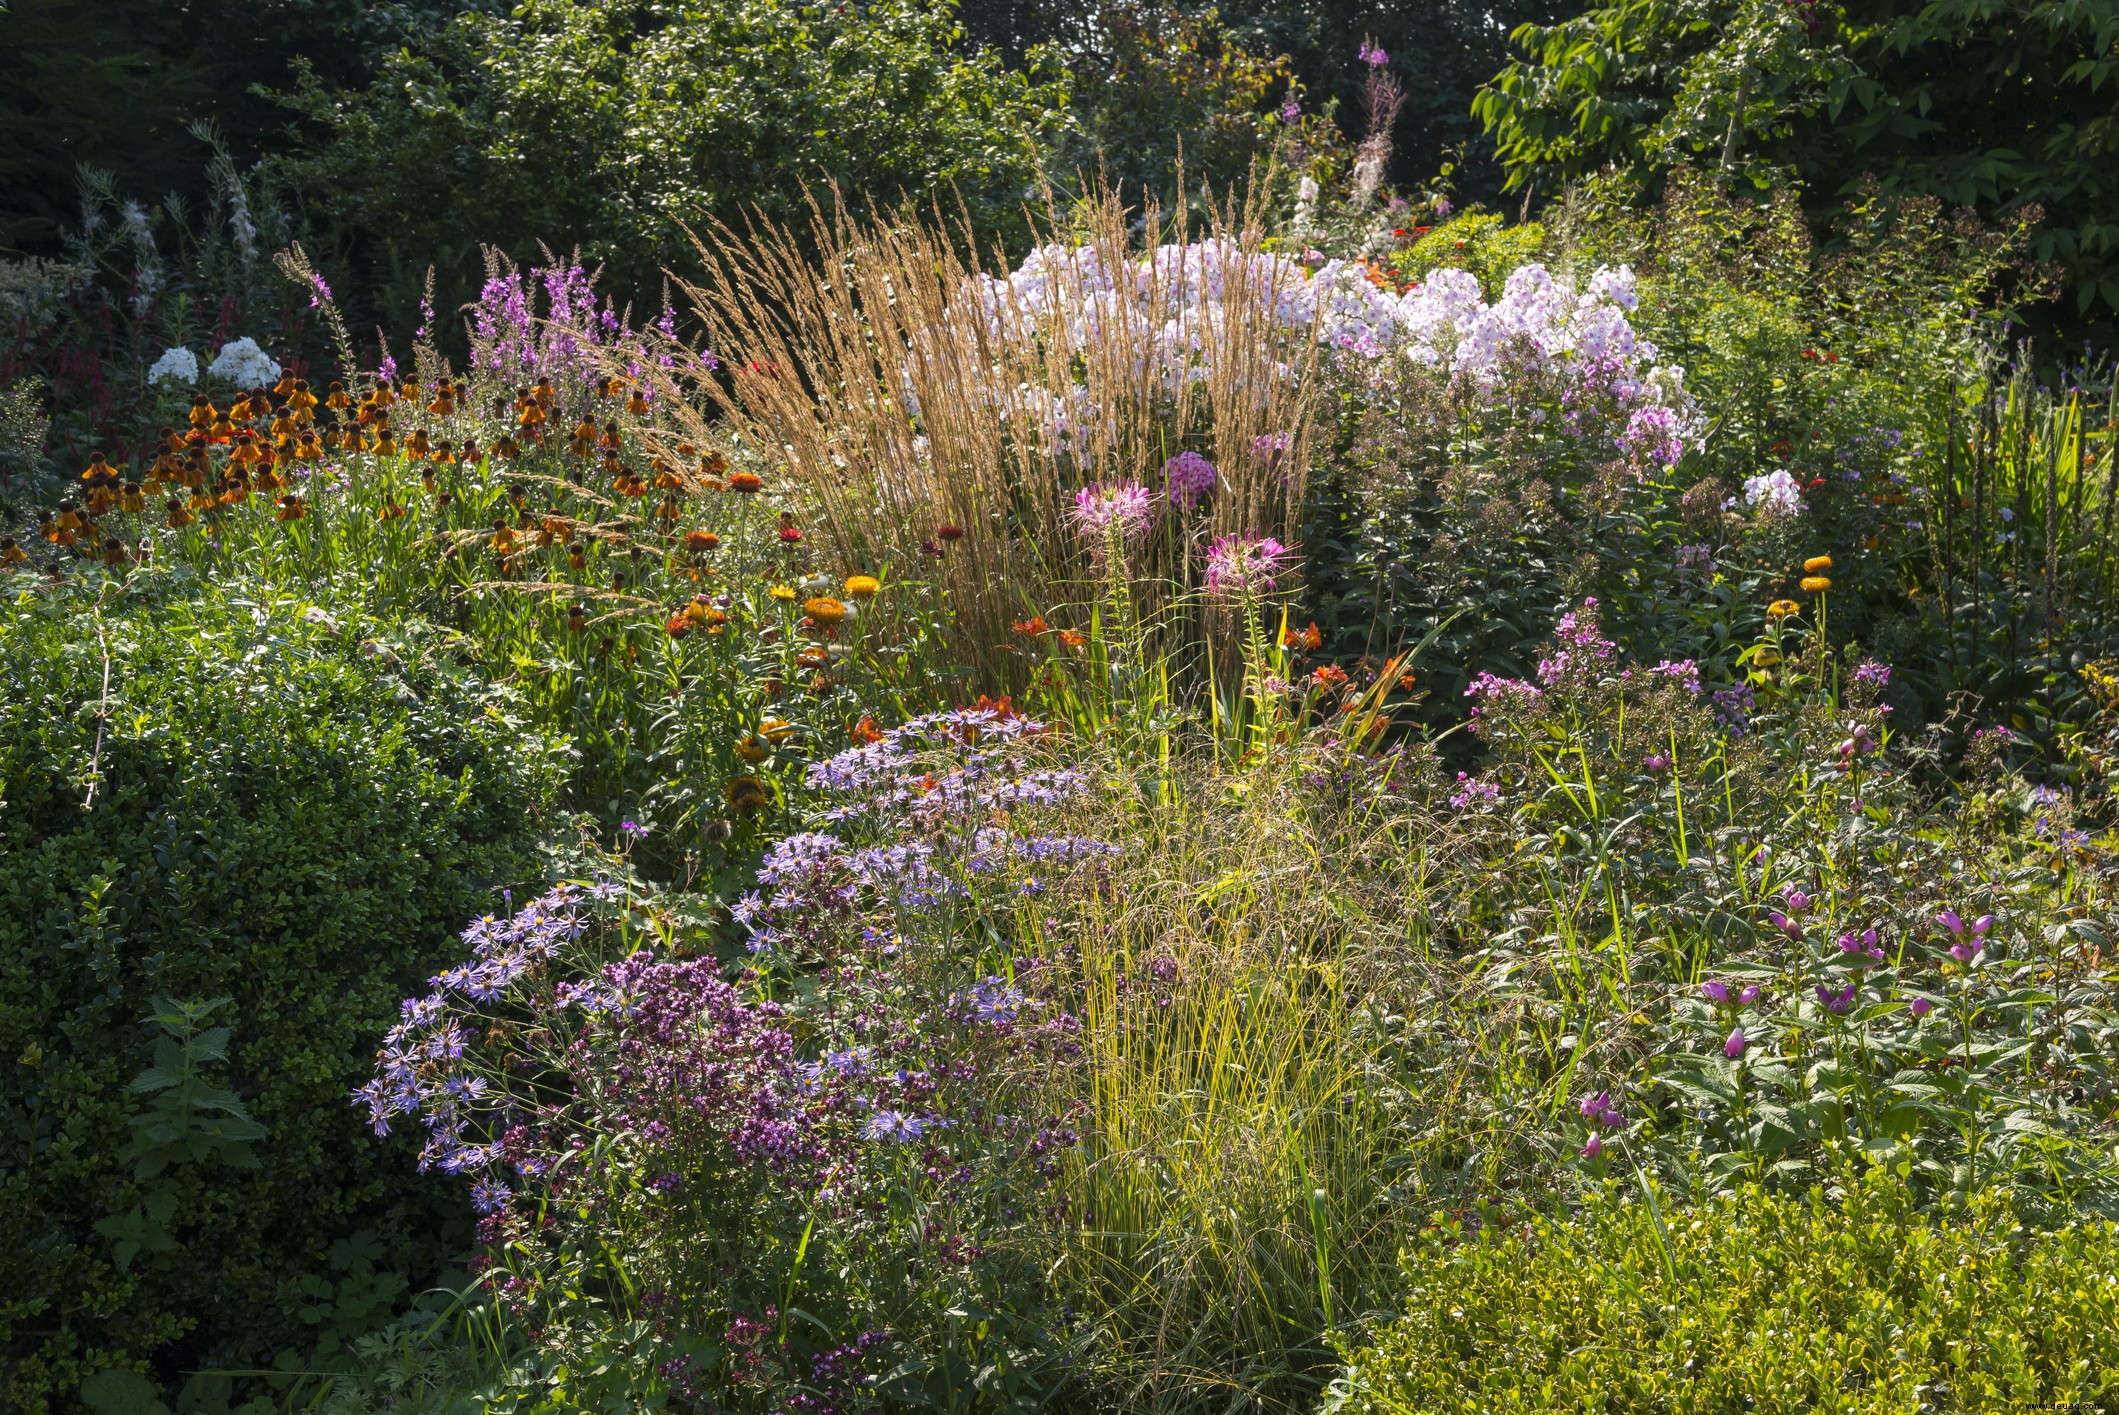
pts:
[244, 364]
[1773, 495]
[1537, 317]
[1168, 314]
[178, 363]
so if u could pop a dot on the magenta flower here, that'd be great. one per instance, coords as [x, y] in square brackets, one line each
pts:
[1715, 992]
[1595, 1148]
[1734, 1047]
[1948, 919]
[1748, 996]
[1786, 925]
[1239, 565]
[1836, 1003]
[1104, 509]
[1921, 1007]
[1798, 901]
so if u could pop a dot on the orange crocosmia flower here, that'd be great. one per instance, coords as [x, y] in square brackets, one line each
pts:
[1031, 627]
[865, 732]
[1072, 638]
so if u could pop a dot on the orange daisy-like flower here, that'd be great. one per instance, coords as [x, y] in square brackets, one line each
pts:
[824, 609]
[746, 482]
[863, 586]
[1782, 608]
[700, 542]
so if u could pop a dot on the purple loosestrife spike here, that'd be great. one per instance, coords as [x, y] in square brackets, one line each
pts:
[1715, 992]
[1734, 1047]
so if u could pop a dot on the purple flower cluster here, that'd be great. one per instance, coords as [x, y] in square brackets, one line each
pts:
[1472, 792]
[1579, 649]
[1189, 478]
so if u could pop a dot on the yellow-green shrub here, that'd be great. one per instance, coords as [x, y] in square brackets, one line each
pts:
[1758, 1302]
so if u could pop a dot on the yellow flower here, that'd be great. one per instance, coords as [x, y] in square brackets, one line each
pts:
[753, 749]
[784, 593]
[824, 609]
[775, 730]
[1816, 584]
[1816, 564]
[862, 586]
[1782, 608]
[748, 793]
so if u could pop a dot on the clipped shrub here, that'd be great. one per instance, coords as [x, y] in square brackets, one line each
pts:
[1852, 1301]
[243, 820]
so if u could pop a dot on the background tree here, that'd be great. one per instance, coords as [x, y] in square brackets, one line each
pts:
[2005, 107]
[604, 125]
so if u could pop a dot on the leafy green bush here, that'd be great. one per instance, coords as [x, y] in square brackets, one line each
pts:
[225, 816]
[1848, 1301]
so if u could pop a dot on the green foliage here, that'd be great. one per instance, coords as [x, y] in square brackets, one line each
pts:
[215, 797]
[115, 86]
[1847, 1300]
[2002, 108]
[1152, 79]
[606, 125]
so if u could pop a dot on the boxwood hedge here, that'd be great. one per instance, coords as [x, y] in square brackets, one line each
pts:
[205, 798]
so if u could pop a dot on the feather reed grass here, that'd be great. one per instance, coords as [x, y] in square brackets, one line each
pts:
[878, 362]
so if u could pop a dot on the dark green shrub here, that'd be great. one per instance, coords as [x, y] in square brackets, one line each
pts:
[272, 811]
[1759, 1302]
[605, 125]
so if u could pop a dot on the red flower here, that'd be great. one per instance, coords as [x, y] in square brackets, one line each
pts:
[789, 534]
[949, 533]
